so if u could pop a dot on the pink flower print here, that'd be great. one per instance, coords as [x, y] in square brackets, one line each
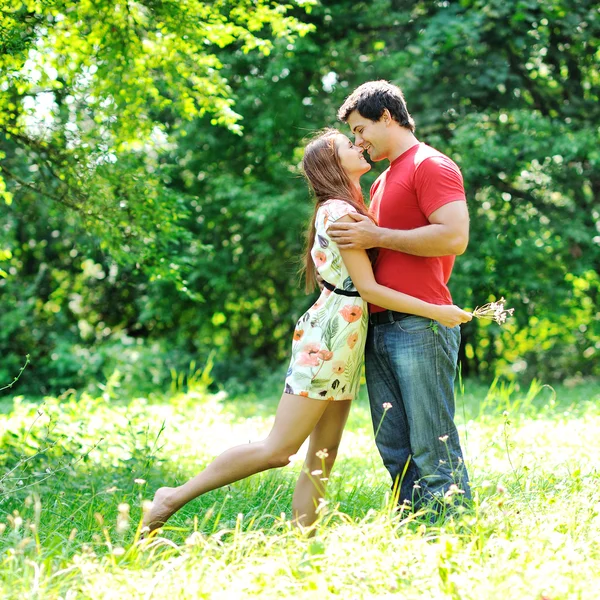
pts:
[309, 357]
[317, 304]
[325, 355]
[338, 367]
[351, 313]
[320, 258]
[352, 339]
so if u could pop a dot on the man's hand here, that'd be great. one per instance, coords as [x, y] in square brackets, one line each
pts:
[451, 316]
[360, 235]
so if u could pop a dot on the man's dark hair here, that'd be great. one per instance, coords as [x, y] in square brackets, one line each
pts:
[370, 100]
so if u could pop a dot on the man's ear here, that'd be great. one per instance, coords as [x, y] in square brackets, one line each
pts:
[386, 116]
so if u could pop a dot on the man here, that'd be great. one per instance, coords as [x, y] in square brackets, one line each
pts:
[423, 223]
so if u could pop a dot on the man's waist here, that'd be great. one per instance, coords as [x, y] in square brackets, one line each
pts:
[387, 316]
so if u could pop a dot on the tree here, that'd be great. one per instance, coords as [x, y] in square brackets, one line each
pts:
[90, 94]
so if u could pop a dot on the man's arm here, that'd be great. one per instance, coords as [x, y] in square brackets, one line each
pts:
[447, 233]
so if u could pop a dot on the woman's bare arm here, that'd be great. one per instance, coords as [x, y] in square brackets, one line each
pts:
[360, 270]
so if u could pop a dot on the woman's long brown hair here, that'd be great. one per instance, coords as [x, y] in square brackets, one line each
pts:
[328, 181]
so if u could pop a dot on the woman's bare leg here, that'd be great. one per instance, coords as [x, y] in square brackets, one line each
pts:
[311, 484]
[296, 417]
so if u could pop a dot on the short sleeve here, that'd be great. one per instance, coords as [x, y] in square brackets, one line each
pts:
[336, 209]
[438, 181]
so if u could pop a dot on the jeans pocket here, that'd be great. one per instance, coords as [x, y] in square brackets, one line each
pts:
[414, 325]
[452, 335]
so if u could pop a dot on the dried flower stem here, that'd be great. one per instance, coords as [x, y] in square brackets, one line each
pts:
[494, 311]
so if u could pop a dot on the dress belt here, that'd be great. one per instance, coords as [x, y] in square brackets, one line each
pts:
[335, 290]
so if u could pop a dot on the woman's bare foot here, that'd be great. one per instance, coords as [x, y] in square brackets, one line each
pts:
[162, 508]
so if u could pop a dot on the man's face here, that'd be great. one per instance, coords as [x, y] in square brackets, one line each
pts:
[373, 136]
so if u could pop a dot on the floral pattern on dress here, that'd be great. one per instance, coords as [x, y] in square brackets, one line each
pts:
[329, 338]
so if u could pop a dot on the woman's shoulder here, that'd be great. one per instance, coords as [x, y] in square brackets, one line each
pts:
[336, 208]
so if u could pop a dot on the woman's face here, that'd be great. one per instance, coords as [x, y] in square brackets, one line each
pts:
[351, 157]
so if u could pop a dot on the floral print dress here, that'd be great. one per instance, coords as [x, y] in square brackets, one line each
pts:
[329, 339]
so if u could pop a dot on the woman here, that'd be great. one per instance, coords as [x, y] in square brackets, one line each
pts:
[327, 351]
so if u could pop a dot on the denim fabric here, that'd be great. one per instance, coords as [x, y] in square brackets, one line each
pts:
[411, 363]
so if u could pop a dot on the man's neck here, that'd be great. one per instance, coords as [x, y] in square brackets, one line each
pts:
[404, 139]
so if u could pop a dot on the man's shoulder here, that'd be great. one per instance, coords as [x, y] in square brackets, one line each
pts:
[425, 152]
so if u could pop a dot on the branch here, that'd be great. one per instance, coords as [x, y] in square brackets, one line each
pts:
[18, 376]
[59, 199]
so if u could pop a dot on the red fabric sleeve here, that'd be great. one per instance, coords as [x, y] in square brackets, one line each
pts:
[438, 181]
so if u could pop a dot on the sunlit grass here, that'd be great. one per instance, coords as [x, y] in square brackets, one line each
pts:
[83, 465]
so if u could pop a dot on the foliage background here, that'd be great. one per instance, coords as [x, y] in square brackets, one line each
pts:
[152, 210]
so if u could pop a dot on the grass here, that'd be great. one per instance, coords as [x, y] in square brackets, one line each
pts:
[83, 464]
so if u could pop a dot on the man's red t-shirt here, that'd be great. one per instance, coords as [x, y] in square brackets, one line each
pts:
[416, 184]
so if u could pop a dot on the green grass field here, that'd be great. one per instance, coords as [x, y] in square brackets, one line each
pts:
[74, 471]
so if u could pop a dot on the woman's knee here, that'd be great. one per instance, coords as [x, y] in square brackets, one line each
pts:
[278, 456]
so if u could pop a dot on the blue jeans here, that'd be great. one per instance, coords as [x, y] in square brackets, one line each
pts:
[411, 363]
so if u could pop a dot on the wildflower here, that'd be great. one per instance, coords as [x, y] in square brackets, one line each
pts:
[123, 518]
[139, 481]
[322, 453]
[351, 313]
[494, 311]
[443, 439]
[316, 472]
[500, 489]
[453, 490]
[118, 551]
[387, 406]
[146, 506]
[195, 539]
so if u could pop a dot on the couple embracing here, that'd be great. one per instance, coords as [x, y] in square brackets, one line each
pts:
[384, 274]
